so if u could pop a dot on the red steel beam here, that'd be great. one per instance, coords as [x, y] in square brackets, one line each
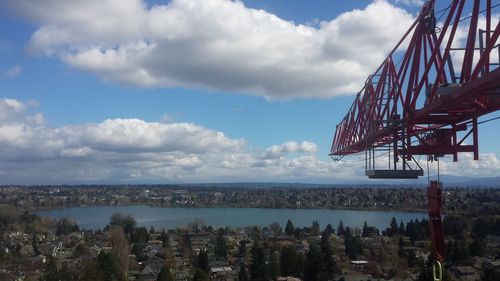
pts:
[399, 101]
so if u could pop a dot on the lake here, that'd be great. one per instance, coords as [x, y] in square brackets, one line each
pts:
[169, 218]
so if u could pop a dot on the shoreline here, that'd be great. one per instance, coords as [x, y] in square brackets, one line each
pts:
[409, 210]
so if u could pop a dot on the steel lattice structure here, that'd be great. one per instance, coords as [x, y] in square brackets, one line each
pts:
[426, 96]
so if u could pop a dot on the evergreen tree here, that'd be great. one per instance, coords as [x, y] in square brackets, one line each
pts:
[299, 233]
[51, 272]
[139, 235]
[273, 268]
[412, 259]
[353, 246]
[394, 229]
[110, 267]
[340, 229]
[312, 263]
[401, 230]
[203, 261]
[201, 275]
[365, 231]
[289, 228]
[329, 229]
[289, 261]
[258, 265]
[164, 274]
[65, 226]
[164, 239]
[220, 245]
[242, 249]
[299, 269]
[328, 265]
[34, 243]
[478, 246]
[315, 229]
[243, 273]
[491, 274]
[137, 251]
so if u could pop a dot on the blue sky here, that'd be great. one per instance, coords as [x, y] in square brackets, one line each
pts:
[79, 77]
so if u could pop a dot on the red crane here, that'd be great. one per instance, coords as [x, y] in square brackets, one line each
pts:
[426, 96]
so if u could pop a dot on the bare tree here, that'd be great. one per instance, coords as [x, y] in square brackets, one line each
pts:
[120, 247]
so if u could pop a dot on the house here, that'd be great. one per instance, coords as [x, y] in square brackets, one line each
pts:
[223, 273]
[357, 277]
[287, 278]
[359, 265]
[465, 273]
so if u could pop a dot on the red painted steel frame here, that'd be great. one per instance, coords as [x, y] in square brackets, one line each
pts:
[420, 102]
[435, 202]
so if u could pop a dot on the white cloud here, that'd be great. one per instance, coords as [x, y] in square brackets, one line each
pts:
[277, 151]
[417, 3]
[215, 44]
[124, 150]
[11, 72]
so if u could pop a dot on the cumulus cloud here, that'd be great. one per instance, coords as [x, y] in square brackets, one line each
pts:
[132, 149]
[125, 150]
[215, 44]
[460, 38]
[277, 151]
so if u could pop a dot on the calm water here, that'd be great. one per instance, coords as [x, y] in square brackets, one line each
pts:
[168, 218]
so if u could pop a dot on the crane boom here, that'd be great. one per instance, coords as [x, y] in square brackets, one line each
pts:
[426, 96]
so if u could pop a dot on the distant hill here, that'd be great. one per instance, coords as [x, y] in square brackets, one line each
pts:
[448, 181]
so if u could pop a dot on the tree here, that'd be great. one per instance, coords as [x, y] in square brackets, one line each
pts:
[127, 222]
[109, 267]
[139, 235]
[312, 264]
[34, 243]
[412, 259]
[51, 272]
[329, 229]
[275, 228]
[340, 229]
[196, 225]
[289, 261]
[242, 249]
[273, 268]
[220, 244]
[394, 229]
[258, 265]
[201, 275]
[401, 229]
[203, 261]
[289, 228]
[90, 271]
[164, 274]
[164, 239]
[353, 246]
[137, 250]
[478, 247]
[65, 226]
[365, 231]
[491, 274]
[243, 273]
[328, 265]
[120, 247]
[315, 229]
